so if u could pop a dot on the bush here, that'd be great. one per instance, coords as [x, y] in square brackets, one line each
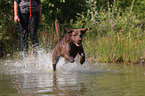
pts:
[113, 35]
[9, 33]
[113, 30]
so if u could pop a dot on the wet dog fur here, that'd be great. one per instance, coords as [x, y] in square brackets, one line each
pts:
[69, 46]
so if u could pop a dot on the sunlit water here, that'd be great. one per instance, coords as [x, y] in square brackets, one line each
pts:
[34, 77]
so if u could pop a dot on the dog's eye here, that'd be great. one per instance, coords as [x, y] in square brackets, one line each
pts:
[82, 31]
[74, 35]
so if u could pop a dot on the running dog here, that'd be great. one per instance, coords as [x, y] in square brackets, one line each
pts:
[69, 46]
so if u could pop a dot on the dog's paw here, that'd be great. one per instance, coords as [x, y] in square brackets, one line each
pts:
[82, 60]
[71, 59]
[54, 67]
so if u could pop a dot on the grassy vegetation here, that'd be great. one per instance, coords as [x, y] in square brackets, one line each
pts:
[114, 34]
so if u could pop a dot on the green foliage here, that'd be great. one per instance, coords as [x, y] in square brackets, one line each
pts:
[113, 32]
[138, 9]
[8, 29]
[113, 35]
[64, 10]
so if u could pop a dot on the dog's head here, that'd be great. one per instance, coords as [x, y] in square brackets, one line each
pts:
[76, 35]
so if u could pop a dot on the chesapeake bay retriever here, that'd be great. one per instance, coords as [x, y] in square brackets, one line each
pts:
[69, 46]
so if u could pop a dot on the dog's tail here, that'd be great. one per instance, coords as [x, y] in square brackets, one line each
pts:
[57, 30]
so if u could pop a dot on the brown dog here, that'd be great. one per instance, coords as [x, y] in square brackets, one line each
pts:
[69, 46]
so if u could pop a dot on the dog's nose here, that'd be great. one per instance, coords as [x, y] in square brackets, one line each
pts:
[80, 40]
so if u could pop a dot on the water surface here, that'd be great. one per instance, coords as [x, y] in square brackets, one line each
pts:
[34, 77]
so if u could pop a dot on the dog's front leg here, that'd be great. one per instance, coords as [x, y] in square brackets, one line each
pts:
[82, 58]
[67, 55]
[70, 58]
[54, 62]
[55, 59]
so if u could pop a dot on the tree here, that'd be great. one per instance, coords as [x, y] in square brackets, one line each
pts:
[64, 10]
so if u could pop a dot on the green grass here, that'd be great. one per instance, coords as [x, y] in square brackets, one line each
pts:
[113, 36]
[115, 49]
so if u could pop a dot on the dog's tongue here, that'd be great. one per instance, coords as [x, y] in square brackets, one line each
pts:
[77, 44]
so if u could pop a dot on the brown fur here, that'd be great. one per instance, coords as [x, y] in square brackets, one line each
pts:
[69, 46]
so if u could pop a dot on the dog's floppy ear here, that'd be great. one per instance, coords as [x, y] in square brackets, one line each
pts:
[69, 30]
[84, 30]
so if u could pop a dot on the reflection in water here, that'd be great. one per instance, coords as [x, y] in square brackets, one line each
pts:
[32, 83]
[37, 78]
[68, 89]
[17, 84]
[34, 77]
[47, 84]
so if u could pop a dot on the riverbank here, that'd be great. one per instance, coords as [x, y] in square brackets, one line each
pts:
[111, 46]
[113, 35]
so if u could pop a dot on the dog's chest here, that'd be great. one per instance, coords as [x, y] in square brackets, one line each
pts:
[74, 50]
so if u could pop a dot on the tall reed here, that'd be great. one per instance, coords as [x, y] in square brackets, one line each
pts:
[113, 35]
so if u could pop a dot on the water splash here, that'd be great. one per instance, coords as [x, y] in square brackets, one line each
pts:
[42, 63]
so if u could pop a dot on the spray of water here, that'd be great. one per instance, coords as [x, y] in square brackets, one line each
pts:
[41, 63]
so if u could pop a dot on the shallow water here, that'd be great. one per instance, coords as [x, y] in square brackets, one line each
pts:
[34, 77]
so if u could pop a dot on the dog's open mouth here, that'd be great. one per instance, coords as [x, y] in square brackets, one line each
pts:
[77, 44]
